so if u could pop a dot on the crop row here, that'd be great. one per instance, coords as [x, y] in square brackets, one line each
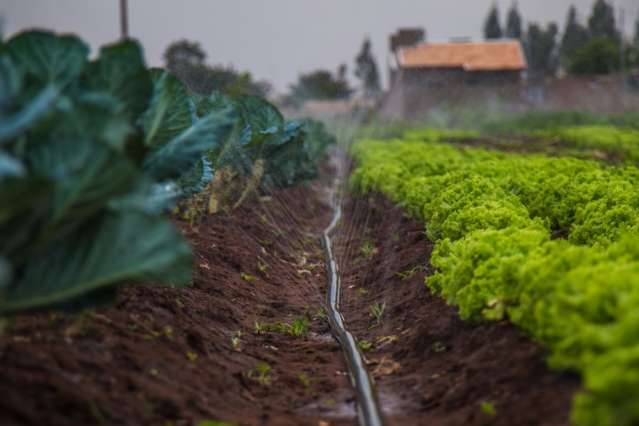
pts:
[94, 153]
[549, 243]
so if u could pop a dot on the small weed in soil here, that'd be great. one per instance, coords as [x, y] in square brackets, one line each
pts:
[488, 408]
[376, 313]
[214, 423]
[368, 249]
[248, 277]
[305, 381]
[365, 345]
[298, 328]
[261, 374]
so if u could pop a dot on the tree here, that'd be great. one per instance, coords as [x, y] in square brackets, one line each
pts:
[366, 70]
[602, 21]
[575, 36]
[319, 85]
[492, 26]
[182, 54]
[599, 56]
[513, 24]
[541, 49]
[636, 38]
[187, 61]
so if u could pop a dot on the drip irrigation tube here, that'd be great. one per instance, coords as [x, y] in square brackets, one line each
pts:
[367, 404]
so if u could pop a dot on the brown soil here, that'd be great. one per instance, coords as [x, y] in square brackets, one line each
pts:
[176, 356]
[431, 368]
[169, 356]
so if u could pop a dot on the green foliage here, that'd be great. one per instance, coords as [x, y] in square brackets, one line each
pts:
[618, 143]
[298, 328]
[601, 22]
[514, 23]
[492, 216]
[214, 423]
[492, 25]
[187, 61]
[488, 408]
[366, 70]
[599, 56]
[262, 374]
[376, 312]
[540, 45]
[319, 85]
[575, 36]
[93, 153]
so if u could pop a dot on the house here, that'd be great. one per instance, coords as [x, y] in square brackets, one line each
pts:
[459, 63]
[426, 75]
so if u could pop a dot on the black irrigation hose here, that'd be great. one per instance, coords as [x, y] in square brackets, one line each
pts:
[367, 405]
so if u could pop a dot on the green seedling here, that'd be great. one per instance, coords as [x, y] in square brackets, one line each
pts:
[376, 312]
[368, 250]
[248, 277]
[261, 374]
[439, 347]
[235, 340]
[299, 328]
[365, 345]
[262, 266]
[488, 408]
[321, 315]
[305, 381]
[260, 328]
[213, 423]
[362, 292]
[410, 272]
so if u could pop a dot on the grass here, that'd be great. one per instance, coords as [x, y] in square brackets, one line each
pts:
[365, 345]
[488, 408]
[409, 273]
[368, 249]
[298, 328]
[305, 381]
[262, 374]
[376, 312]
[248, 277]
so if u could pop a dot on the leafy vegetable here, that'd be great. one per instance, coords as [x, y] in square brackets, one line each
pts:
[494, 216]
[92, 155]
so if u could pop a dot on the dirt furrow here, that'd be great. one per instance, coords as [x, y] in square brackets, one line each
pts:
[430, 367]
[225, 348]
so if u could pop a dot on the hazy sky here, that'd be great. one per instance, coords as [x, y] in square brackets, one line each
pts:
[276, 39]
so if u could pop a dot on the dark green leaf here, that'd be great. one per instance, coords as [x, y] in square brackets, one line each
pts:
[179, 155]
[114, 249]
[258, 114]
[10, 83]
[85, 175]
[45, 58]
[170, 111]
[10, 166]
[34, 110]
[26, 202]
[120, 71]
[5, 273]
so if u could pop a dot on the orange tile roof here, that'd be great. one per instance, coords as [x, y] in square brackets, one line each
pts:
[481, 56]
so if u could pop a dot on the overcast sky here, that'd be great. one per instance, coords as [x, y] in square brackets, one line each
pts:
[277, 39]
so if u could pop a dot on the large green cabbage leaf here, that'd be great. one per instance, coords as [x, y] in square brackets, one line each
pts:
[114, 248]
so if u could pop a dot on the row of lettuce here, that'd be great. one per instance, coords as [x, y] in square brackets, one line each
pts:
[552, 244]
[93, 153]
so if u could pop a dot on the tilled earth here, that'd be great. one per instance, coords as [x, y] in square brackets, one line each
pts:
[224, 348]
[432, 368]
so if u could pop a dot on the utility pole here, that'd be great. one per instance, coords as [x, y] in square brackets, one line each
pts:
[124, 19]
